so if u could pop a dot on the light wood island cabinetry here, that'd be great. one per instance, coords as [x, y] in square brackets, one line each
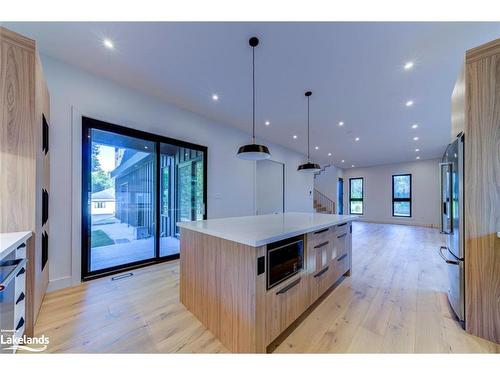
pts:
[223, 276]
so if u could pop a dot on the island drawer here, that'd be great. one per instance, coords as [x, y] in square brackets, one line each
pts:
[285, 303]
[319, 282]
[317, 237]
[341, 265]
[342, 228]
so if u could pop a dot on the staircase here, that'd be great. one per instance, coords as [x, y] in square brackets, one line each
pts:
[321, 170]
[323, 204]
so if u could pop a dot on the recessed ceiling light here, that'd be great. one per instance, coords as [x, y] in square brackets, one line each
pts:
[352, 166]
[409, 103]
[267, 123]
[414, 126]
[108, 43]
[215, 97]
[408, 65]
[329, 154]
[356, 139]
[341, 123]
[415, 138]
[294, 137]
[417, 150]
[343, 160]
[316, 147]
[418, 157]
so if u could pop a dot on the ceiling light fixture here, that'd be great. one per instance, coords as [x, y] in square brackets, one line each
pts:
[267, 123]
[108, 43]
[308, 167]
[415, 138]
[342, 160]
[418, 157]
[341, 123]
[352, 166]
[329, 154]
[294, 137]
[356, 139]
[409, 103]
[408, 65]
[417, 150]
[253, 151]
[414, 126]
[215, 97]
[316, 147]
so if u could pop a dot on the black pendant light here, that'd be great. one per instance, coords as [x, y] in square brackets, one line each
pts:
[308, 167]
[253, 151]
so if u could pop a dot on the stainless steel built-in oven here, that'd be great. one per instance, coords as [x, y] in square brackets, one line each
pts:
[9, 268]
[284, 259]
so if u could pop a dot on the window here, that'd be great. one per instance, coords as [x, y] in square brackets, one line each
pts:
[401, 195]
[356, 196]
[99, 204]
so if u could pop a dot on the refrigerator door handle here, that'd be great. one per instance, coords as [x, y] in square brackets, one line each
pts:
[449, 261]
[444, 205]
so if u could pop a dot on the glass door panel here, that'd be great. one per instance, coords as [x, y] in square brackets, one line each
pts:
[121, 200]
[181, 192]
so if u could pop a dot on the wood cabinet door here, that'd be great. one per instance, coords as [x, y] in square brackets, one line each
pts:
[285, 303]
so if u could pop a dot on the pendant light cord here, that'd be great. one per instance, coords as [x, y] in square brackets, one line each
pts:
[308, 128]
[253, 94]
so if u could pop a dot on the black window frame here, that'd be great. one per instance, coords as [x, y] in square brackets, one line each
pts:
[394, 199]
[362, 199]
[87, 125]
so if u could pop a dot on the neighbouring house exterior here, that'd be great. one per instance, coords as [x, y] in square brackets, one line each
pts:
[181, 198]
[103, 202]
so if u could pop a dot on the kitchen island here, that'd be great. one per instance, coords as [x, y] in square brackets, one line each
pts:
[248, 278]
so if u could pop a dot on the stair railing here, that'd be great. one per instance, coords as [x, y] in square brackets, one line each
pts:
[322, 201]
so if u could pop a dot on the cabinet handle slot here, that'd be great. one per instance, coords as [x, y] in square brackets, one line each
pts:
[342, 257]
[20, 324]
[322, 244]
[321, 272]
[321, 231]
[341, 225]
[21, 297]
[288, 287]
[342, 235]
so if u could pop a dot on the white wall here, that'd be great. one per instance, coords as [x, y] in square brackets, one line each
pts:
[378, 192]
[326, 183]
[231, 181]
[269, 179]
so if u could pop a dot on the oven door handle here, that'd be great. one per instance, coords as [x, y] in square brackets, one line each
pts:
[12, 274]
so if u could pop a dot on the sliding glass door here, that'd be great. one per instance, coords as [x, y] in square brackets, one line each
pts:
[133, 180]
[182, 192]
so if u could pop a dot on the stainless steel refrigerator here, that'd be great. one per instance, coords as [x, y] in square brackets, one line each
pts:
[452, 223]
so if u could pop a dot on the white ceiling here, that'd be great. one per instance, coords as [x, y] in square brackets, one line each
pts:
[355, 71]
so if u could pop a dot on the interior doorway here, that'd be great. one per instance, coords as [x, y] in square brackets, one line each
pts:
[270, 187]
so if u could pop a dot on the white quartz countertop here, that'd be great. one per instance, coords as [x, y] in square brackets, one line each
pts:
[10, 241]
[263, 229]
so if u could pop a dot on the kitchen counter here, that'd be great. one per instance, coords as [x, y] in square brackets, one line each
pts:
[247, 279]
[263, 229]
[10, 241]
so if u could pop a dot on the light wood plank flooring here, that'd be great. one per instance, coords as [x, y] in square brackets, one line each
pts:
[395, 301]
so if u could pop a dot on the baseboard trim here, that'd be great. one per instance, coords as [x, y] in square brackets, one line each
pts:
[397, 222]
[60, 283]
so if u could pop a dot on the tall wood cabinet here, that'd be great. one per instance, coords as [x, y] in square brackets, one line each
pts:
[24, 159]
[476, 113]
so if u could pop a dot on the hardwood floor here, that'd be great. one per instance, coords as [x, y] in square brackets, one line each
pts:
[395, 301]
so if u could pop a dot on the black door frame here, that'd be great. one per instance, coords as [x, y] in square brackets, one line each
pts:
[87, 125]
